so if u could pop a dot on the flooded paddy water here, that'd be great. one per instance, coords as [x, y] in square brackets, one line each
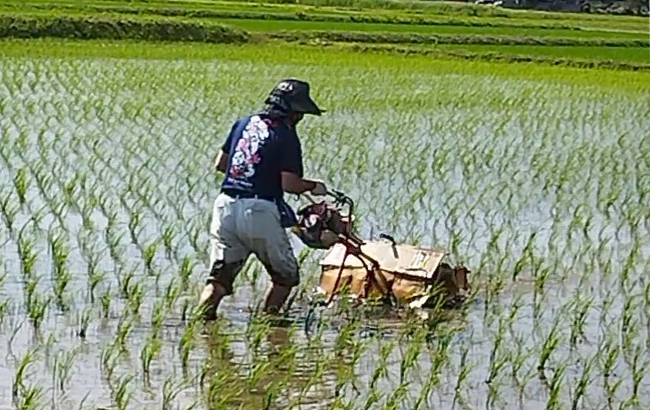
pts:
[540, 186]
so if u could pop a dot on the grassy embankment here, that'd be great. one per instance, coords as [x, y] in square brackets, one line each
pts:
[438, 29]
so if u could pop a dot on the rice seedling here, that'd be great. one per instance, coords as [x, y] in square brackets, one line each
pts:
[554, 388]
[61, 274]
[121, 395]
[148, 353]
[9, 211]
[170, 390]
[27, 255]
[123, 330]
[62, 365]
[21, 183]
[105, 301]
[84, 320]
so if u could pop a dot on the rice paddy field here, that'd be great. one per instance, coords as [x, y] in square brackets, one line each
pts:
[536, 177]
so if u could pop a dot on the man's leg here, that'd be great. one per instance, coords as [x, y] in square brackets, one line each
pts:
[227, 257]
[270, 243]
[218, 285]
[276, 297]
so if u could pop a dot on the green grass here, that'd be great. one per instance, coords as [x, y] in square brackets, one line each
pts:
[276, 25]
[484, 30]
[438, 14]
[634, 54]
[182, 29]
[449, 8]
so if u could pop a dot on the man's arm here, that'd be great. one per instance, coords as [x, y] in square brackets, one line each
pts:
[221, 162]
[292, 183]
[292, 172]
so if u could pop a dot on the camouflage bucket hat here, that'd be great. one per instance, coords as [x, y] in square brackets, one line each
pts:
[293, 95]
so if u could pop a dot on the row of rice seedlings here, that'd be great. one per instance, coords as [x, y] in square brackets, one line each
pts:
[153, 224]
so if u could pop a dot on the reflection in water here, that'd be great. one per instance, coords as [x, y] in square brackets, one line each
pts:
[278, 369]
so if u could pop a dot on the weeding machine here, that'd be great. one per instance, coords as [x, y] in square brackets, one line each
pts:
[398, 274]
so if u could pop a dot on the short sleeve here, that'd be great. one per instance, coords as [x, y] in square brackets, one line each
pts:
[292, 156]
[228, 142]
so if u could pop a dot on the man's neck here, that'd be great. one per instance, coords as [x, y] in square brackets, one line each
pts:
[287, 121]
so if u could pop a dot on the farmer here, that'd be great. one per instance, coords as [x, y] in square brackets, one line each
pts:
[261, 159]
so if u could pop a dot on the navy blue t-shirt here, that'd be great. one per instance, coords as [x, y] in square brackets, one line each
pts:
[259, 149]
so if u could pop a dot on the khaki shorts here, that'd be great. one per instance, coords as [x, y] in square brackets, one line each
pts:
[247, 225]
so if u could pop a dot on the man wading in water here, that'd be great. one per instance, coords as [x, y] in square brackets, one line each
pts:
[261, 159]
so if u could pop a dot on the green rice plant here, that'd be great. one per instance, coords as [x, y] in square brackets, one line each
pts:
[172, 293]
[555, 387]
[579, 317]
[187, 343]
[627, 315]
[136, 296]
[109, 360]
[49, 346]
[122, 396]
[221, 391]
[611, 389]
[124, 283]
[167, 237]
[409, 359]
[18, 385]
[496, 362]
[26, 396]
[611, 352]
[113, 241]
[4, 309]
[95, 277]
[639, 371]
[583, 383]
[148, 352]
[134, 227]
[62, 275]
[70, 191]
[84, 320]
[9, 211]
[27, 254]
[381, 370]
[462, 375]
[105, 300]
[124, 327]
[62, 365]
[185, 271]
[32, 398]
[170, 390]
[87, 214]
[21, 183]
[185, 307]
[398, 396]
[194, 231]
[148, 256]
[36, 304]
[517, 362]
[158, 314]
[551, 342]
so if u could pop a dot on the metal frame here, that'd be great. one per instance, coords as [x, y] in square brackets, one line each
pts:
[353, 245]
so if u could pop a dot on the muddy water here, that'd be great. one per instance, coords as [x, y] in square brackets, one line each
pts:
[521, 178]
